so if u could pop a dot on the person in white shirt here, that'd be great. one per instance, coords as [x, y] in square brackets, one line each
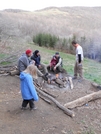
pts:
[78, 68]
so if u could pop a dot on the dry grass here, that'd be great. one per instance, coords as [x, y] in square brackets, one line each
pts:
[62, 22]
[18, 27]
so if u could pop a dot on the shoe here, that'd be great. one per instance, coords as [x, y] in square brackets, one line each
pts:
[46, 74]
[80, 79]
[23, 108]
[34, 108]
[75, 77]
[45, 77]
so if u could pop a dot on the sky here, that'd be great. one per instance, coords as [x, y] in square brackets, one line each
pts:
[32, 5]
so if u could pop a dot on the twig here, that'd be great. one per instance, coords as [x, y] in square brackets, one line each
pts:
[46, 100]
[5, 74]
[38, 86]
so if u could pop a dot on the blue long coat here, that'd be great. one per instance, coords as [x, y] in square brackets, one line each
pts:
[28, 90]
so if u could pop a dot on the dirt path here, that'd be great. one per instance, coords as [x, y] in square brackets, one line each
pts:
[47, 119]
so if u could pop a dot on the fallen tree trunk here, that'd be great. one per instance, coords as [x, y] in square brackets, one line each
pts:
[83, 100]
[67, 111]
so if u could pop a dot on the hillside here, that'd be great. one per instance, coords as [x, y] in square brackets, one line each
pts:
[62, 22]
[19, 27]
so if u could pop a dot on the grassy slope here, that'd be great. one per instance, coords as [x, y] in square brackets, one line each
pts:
[92, 69]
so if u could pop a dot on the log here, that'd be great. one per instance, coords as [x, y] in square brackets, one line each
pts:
[66, 111]
[38, 86]
[8, 66]
[96, 85]
[54, 96]
[71, 82]
[83, 100]
[46, 100]
[4, 74]
[14, 72]
[6, 69]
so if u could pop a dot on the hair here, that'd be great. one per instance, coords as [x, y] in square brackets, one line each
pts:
[74, 42]
[57, 53]
[36, 51]
[32, 70]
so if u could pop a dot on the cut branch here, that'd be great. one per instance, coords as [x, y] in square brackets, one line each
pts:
[9, 59]
[46, 100]
[96, 85]
[54, 96]
[67, 111]
[83, 100]
[70, 81]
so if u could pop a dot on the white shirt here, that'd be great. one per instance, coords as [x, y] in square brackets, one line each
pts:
[79, 50]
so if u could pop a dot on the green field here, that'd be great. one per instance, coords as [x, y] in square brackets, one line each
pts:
[91, 68]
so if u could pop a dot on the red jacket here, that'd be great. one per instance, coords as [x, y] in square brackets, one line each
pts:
[53, 61]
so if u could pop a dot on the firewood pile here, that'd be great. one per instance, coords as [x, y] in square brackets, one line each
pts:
[8, 64]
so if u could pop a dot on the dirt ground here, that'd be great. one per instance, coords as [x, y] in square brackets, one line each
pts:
[47, 119]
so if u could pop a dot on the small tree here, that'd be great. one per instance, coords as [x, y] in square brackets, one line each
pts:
[45, 40]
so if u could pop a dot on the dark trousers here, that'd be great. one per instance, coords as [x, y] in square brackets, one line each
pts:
[31, 103]
[58, 69]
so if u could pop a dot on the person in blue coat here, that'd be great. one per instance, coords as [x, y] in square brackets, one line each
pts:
[28, 90]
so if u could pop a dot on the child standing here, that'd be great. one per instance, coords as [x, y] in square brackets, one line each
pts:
[28, 90]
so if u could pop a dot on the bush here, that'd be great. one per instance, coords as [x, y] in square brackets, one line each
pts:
[46, 40]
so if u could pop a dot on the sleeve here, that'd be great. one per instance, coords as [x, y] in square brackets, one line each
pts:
[25, 61]
[32, 89]
[37, 61]
[59, 63]
[79, 54]
[79, 58]
[29, 60]
[32, 57]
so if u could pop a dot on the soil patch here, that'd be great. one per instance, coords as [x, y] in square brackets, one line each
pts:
[47, 119]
